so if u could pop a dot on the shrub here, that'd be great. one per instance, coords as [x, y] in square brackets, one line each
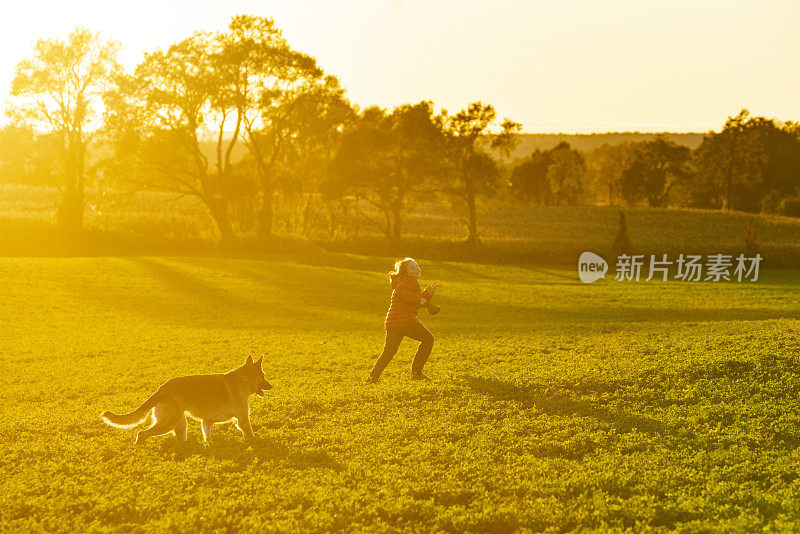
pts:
[790, 207]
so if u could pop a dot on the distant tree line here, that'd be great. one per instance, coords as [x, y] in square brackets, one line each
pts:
[269, 143]
[752, 165]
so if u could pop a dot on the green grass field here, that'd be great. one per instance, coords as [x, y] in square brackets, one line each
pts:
[552, 405]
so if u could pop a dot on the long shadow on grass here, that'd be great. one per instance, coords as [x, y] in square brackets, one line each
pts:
[277, 310]
[557, 276]
[564, 403]
[459, 310]
[284, 298]
[240, 454]
[283, 307]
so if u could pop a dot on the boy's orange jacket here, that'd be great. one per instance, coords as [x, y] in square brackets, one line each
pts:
[406, 295]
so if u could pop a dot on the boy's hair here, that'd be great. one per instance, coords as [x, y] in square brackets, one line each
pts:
[401, 266]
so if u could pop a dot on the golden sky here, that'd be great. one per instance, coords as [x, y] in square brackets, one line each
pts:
[555, 66]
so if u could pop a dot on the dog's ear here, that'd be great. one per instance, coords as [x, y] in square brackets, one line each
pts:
[259, 360]
[249, 358]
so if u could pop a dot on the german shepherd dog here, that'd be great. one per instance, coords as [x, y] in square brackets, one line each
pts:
[210, 398]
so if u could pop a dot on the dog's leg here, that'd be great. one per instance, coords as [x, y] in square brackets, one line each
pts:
[208, 429]
[180, 428]
[243, 424]
[165, 417]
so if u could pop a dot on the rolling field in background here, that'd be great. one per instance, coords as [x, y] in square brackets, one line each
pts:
[552, 405]
[155, 223]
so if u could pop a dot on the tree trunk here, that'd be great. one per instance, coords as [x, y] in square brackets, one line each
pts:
[219, 212]
[70, 212]
[265, 213]
[397, 227]
[387, 228]
[80, 175]
[473, 216]
[307, 217]
[611, 192]
[728, 202]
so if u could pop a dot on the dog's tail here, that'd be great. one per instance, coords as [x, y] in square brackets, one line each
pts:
[133, 418]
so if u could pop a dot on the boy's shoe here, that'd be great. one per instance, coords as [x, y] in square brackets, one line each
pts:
[418, 376]
[371, 379]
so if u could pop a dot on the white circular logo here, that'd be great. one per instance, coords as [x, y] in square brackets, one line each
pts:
[591, 267]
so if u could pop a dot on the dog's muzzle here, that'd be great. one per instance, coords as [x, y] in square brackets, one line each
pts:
[264, 385]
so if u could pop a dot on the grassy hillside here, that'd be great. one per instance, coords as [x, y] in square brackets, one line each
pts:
[560, 233]
[552, 405]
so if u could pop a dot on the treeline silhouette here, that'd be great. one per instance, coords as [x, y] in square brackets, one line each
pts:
[528, 142]
[269, 143]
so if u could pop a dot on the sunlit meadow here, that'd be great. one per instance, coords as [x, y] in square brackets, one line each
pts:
[551, 406]
[184, 185]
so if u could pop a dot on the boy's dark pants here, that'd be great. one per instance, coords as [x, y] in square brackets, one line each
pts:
[394, 335]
